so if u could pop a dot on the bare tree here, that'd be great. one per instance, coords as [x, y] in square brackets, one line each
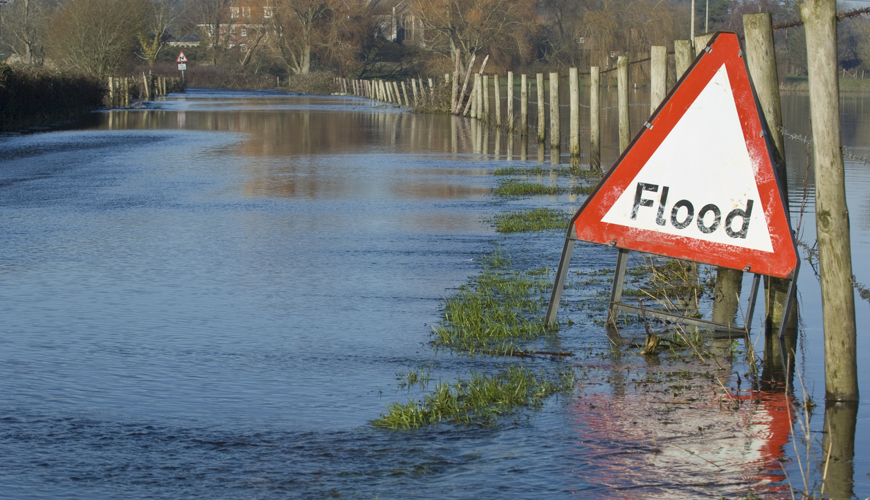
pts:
[497, 27]
[159, 17]
[23, 27]
[95, 36]
[300, 25]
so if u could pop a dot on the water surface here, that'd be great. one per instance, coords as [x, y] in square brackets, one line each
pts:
[212, 298]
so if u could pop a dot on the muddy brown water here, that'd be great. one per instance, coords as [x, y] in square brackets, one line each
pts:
[212, 297]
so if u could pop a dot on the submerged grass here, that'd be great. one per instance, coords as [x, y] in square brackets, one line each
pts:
[496, 313]
[538, 219]
[518, 188]
[481, 400]
[588, 174]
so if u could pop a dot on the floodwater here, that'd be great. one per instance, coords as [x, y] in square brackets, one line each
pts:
[213, 298]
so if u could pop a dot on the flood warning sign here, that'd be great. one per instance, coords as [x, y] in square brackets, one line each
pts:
[698, 182]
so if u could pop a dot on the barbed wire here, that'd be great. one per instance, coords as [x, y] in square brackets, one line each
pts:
[806, 140]
[840, 17]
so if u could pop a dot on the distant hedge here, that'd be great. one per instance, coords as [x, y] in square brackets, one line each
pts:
[31, 97]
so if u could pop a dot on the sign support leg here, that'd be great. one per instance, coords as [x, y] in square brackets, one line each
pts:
[618, 282]
[789, 302]
[747, 321]
[561, 275]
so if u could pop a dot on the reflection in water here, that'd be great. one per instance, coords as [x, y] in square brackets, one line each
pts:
[838, 445]
[665, 431]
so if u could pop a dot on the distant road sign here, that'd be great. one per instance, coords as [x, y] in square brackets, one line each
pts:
[698, 182]
[181, 58]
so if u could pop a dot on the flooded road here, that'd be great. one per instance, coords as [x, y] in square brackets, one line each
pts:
[213, 298]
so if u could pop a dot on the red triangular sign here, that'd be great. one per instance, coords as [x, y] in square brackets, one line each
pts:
[181, 58]
[698, 182]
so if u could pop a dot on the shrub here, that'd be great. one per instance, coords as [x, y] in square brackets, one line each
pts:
[31, 97]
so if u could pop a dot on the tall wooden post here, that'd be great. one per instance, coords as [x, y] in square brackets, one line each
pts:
[509, 116]
[594, 118]
[832, 215]
[658, 75]
[414, 92]
[622, 102]
[405, 95]
[524, 105]
[574, 103]
[761, 60]
[542, 126]
[683, 55]
[496, 95]
[111, 92]
[555, 119]
[838, 445]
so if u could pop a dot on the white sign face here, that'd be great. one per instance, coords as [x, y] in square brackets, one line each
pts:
[700, 182]
[181, 58]
[182, 67]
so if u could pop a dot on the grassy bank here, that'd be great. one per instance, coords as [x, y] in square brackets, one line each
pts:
[31, 97]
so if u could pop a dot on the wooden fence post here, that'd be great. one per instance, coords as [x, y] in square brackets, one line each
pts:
[574, 118]
[542, 126]
[147, 87]
[464, 84]
[496, 91]
[594, 118]
[683, 55]
[480, 73]
[478, 97]
[510, 101]
[455, 93]
[555, 120]
[832, 215]
[701, 42]
[622, 98]
[485, 96]
[658, 75]
[524, 105]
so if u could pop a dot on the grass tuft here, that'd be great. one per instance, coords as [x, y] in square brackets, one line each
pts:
[539, 219]
[481, 400]
[496, 312]
[518, 188]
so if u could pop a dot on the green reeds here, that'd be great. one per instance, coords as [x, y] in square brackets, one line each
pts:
[481, 400]
[538, 219]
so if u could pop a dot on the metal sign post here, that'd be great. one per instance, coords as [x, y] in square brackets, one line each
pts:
[182, 64]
